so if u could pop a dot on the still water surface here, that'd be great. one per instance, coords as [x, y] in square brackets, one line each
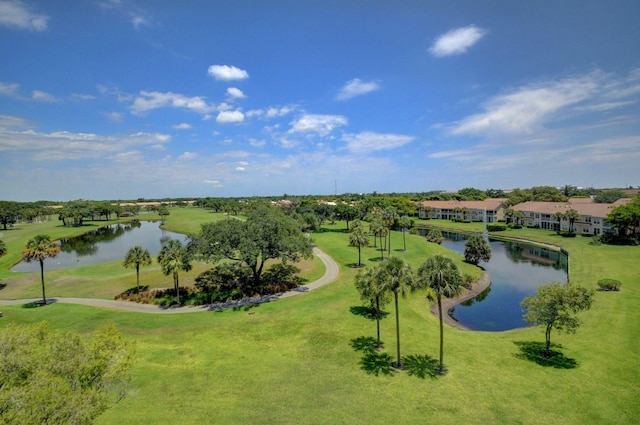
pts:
[517, 270]
[109, 243]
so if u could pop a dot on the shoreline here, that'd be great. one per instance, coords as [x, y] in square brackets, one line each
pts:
[448, 303]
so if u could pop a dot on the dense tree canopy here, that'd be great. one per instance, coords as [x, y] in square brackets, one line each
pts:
[477, 249]
[626, 218]
[266, 234]
[60, 378]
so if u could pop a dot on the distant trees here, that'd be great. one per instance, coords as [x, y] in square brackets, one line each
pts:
[405, 223]
[442, 278]
[9, 212]
[136, 257]
[626, 218]
[609, 196]
[477, 249]
[61, 378]
[173, 258]
[39, 248]
[555, 306]
[471, 194]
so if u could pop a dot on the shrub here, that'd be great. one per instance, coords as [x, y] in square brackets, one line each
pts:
[515, 226]
[435, 236]
[496, 227]
[414, 231]
[467, 281]
[609, 284]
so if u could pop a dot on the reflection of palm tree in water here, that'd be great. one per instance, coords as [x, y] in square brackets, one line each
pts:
[164, 237]
[86, 245]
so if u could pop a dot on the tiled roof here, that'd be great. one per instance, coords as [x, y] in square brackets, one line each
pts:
[589, 209]
[490, 204]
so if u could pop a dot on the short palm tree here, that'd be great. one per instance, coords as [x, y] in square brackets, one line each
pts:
[358, 237]
[40, 248]
[371, 291]
[396, 276]
[174, 257]
[442, 278]
[136, 257]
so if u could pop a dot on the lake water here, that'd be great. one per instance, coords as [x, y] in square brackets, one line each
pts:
[517, 270]
[109, 243]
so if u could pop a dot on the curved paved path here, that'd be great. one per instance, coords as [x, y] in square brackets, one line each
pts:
[331, 274]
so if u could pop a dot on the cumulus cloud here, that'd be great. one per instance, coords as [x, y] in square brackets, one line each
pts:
[227, 73]
[356, 87]
[187, 156]
[181, 126]
[16, 14]
[10, 89]
[225, 117]
[9, 121]
[456, 41]
[525, 109]
[235, 93]
[148, 101]
[368, 141]
[317, 123]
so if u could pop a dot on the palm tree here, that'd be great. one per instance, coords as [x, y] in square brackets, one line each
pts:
[571, 215]
[174, 257]
[477, 249]
[40, 248]
[136, 257]
[395, 276]
[404, 222]
[377, 227]
[559, 215]
[358, 238]
[442, 278]
[389, 216]
[371, 291]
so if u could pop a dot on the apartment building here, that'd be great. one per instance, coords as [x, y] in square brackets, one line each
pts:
[493, 208]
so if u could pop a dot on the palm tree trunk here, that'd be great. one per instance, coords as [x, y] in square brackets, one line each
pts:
[378, 320]
[176, 285]
[44, 297]
[398, 364]
[404, 239]
[389, 237]
[441, 370]
[359, 263]
[138, 278]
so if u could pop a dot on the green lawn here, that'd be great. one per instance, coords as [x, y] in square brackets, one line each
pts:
[291, 361]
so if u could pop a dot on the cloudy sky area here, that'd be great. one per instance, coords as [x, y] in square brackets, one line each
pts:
[121, 99]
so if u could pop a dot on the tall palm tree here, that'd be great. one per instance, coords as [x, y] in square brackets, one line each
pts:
[174, 257]
[358, 237]
[377, 227]
[571, 215]
[442, 278]
[389, 216]
[396, 276]
[404, 222]
[136, 257]
[40, 248]
[371, 291]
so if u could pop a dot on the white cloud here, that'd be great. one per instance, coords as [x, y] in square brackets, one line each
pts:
[147, 101]
[8, 121]
[273, 112]
[187, 156]
[527, 108]
[80, 96]
[240, 168]
[235, 93]
[10, 89]
[368, 141]
[134, 14]
[214, 183]
[321, 124]
[18, 15]
[181, 126]
[257, 143]
[41, 96]
[227, 73]
[113, 116]
[356, 87]
[226, 117]
[456, 41]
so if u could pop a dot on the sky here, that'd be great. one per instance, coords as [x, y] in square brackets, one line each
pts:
[127, 99]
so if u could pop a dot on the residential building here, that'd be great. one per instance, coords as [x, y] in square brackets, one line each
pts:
[492, 209]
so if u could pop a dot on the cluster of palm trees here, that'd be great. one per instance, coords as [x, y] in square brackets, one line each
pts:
[380, 225]
[438, 276]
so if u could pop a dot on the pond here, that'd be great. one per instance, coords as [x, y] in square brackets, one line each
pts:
[109, 243]
[517, 269]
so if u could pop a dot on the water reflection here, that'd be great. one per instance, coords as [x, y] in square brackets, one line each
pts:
[517, 269]
[109, 243]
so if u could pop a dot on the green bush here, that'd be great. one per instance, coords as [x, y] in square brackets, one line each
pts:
[609, 284]
[496, 227]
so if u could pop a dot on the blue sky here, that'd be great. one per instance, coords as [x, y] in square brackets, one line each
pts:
[121, 99]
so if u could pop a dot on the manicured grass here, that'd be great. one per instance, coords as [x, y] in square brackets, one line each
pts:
[291, 361]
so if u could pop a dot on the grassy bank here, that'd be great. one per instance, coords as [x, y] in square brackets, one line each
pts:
[291, 361]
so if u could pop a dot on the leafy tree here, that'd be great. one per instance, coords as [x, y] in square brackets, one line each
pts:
[495, 193]
[547, 194]
[346, 212]
[472, 194]
[9, 212]
[405, 223]
[173, 258]
[136, 257]
[358, 237]
[396, 276]
[555, 307]
[3, 248]
[571, 215]
[163, 212]
[40, 248]
[626, 218]
[60, 378]
[266, 234]
[477, 249]
[609, 196]
[442, 278]
[370, 290]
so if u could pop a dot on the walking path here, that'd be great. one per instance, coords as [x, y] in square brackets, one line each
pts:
[331, 274]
